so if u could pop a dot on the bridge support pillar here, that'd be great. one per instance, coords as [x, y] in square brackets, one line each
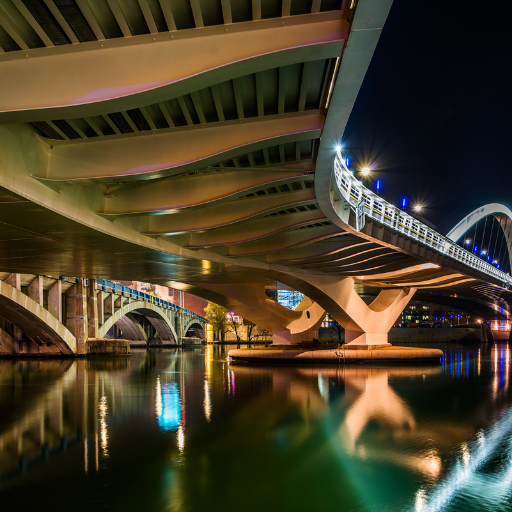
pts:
[287, 327]
[55, 300]
[92, 310]
[35, 290]
[366, 325]
[76, 315]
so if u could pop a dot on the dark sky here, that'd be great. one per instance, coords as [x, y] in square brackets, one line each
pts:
[435, 109]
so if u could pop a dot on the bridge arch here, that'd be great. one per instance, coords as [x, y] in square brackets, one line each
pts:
[37, 323]
[190, 323]
[500, 212]
[125, 317]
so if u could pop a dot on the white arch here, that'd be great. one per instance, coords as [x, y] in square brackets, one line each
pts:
[498, 210]
[137, 305]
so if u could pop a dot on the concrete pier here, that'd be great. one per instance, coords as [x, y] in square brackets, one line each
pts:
[286, 354]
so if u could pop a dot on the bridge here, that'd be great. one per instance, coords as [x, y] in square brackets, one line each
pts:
[60, 316]
[196, 147]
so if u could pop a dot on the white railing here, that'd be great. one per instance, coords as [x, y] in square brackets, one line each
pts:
[366, 203]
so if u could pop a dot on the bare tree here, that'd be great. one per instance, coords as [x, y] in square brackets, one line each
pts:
[255, 331]
[337, 327]
[234, 327]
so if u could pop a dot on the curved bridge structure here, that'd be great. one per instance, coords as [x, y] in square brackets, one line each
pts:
[194, 145]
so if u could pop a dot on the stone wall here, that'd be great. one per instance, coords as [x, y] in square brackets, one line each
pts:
[399, 335]
[242, 332]
[107, 347]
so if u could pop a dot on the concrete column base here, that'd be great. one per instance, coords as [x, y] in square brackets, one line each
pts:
[107, 347]
[351, 346]
[357, 338]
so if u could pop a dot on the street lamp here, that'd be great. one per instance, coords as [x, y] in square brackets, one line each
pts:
[365, 171]
[418, 208]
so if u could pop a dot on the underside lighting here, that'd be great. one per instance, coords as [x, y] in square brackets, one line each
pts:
[429, 265]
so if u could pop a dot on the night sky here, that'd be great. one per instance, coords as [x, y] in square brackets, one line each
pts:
[435, 109]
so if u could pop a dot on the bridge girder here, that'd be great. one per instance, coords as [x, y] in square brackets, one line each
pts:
[98, 78]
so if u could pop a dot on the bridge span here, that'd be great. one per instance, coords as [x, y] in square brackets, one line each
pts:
[209, 164]
[58, 316]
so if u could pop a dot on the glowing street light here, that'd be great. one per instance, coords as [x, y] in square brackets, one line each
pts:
[365, 171]
[418, 208]
[467, 241]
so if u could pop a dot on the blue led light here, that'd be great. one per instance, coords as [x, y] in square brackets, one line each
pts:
[404, 202]
[475, 248]
[377, 185]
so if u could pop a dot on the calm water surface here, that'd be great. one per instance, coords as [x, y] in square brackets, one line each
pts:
[184, 430]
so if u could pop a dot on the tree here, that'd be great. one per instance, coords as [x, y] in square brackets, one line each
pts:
[216, 317]
[234, 327]
[337, 327]
[255, 331]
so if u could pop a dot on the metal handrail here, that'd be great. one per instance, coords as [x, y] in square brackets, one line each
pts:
[364, 202]
[126, 290]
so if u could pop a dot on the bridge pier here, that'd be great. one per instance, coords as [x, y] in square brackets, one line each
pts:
[366, 325]
[76, 315]
[288, 327]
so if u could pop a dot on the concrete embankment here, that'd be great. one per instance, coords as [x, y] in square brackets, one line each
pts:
[291, 354]
[397, 335]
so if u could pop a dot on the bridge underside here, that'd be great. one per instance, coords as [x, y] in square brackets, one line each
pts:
[206, 163]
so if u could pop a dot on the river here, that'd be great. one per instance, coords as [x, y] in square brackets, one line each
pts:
[186, 430]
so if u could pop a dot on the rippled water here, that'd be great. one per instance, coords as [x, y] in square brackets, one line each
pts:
[177, 430]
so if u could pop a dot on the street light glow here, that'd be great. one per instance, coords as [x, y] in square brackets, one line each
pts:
[365, 171]
[418, 208]
[467, 241]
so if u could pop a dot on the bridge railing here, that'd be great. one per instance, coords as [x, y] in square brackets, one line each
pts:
[136, 294]
[364, 202]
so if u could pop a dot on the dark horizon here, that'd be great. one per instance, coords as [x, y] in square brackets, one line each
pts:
[432, 112]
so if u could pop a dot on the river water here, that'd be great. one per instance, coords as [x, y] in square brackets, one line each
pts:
[185, 430]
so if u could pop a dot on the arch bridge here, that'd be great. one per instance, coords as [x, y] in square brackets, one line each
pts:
[57, 315]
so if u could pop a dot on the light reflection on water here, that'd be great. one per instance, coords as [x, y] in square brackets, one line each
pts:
[185, 430]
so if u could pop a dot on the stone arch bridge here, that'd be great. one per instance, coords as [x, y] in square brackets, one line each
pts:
[47, 315]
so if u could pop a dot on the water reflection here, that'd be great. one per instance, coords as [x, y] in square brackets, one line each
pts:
[199, 433]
